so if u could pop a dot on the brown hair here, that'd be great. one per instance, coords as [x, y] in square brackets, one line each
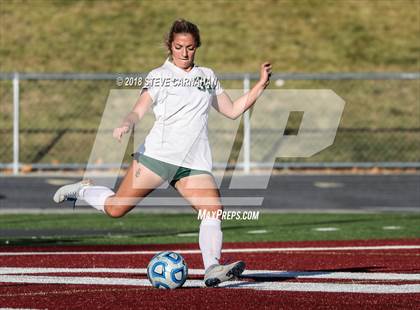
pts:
[182, 26]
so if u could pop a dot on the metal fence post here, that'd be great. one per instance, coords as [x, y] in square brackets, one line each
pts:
[247, 130]
[16, 123]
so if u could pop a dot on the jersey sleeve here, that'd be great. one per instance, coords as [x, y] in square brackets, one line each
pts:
[217, 87]
[151, 84]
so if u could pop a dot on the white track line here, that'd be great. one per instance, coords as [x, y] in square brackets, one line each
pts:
[247, 273]
[272, 286]
[261, 274]
[249, 250]
[327, 287]
[19, 309]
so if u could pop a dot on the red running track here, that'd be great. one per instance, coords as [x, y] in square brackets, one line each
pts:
[70, 296]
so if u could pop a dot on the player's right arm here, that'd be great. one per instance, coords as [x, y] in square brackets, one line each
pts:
[136, 114]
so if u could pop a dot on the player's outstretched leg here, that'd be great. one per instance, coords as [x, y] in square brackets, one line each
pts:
[94, 195]
[138, 182]
[201, 191]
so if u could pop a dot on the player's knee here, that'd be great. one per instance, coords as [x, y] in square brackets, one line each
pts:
[115, 211]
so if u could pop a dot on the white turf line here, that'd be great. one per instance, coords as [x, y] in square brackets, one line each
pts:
[249, 250]
[272, 286]
[249, 273]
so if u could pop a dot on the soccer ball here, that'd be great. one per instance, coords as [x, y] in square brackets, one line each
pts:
[167, 270]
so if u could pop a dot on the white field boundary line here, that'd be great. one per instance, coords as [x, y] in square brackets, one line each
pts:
[247, 250]
[270, 286]
[247, 273]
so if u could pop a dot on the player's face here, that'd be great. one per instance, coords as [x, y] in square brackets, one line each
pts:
[183, 50]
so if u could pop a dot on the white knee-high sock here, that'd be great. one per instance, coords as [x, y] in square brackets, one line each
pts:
[210, 240]
[96, 196]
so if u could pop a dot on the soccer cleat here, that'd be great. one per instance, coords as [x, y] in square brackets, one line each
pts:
[217, 274]
[70, 192]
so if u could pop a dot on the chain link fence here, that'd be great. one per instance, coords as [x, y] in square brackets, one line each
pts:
[380, 125]
[59, 115]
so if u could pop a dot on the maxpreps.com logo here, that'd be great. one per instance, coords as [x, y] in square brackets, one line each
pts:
[321, 108]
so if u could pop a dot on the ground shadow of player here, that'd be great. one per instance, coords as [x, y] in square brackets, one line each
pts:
[293, 275]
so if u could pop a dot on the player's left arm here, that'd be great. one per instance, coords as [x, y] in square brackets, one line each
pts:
[233, 109]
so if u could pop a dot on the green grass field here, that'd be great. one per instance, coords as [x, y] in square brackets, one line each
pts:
[89, 229]
[127, 36]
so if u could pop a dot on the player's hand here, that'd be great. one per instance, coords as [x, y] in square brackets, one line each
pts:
[120, 131]
[265, 73]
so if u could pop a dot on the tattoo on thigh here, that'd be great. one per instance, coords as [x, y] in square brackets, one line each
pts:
[138, 172]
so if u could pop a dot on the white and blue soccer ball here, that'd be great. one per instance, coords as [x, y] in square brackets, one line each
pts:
[167, 270]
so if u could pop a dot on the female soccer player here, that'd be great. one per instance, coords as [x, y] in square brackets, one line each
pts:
[177, 148]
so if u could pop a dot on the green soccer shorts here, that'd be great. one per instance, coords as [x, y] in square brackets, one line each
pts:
[166, 171]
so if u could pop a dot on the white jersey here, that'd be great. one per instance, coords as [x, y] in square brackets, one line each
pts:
[181, 103]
